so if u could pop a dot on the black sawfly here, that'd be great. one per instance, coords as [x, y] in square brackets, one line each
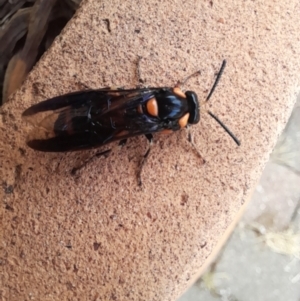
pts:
[92, 118]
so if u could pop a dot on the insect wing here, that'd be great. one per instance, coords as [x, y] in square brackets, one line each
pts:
[84, 120]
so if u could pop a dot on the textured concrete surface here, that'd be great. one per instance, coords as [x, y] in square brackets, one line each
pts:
[99, 236]
[261, 261]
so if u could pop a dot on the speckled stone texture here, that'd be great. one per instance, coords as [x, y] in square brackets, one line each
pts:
[98, 235]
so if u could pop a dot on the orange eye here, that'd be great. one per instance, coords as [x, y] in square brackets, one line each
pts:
[152, 107]
[178, 92]
[184, 120]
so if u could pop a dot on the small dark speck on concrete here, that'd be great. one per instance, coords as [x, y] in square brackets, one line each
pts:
[22, 151]
[184, 199]
[75, 269]
[8, 189]
[18, 170]
[107, 22]
[96, 246]
[9, 208]
[203, 245]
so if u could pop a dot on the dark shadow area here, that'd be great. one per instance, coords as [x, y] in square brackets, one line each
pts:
[27, 30]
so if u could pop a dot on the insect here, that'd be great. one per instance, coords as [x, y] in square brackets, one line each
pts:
[92, 118]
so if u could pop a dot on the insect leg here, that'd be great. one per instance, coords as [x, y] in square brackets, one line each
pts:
[97, 155]
[112, 124]
[139, 175]
[194, 146]
[138, 73]
[181, 83]
[80, 84]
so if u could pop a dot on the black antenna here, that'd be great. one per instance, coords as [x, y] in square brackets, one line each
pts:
[236, 140]
[217, 80]
[214, 116]
[182, 82]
